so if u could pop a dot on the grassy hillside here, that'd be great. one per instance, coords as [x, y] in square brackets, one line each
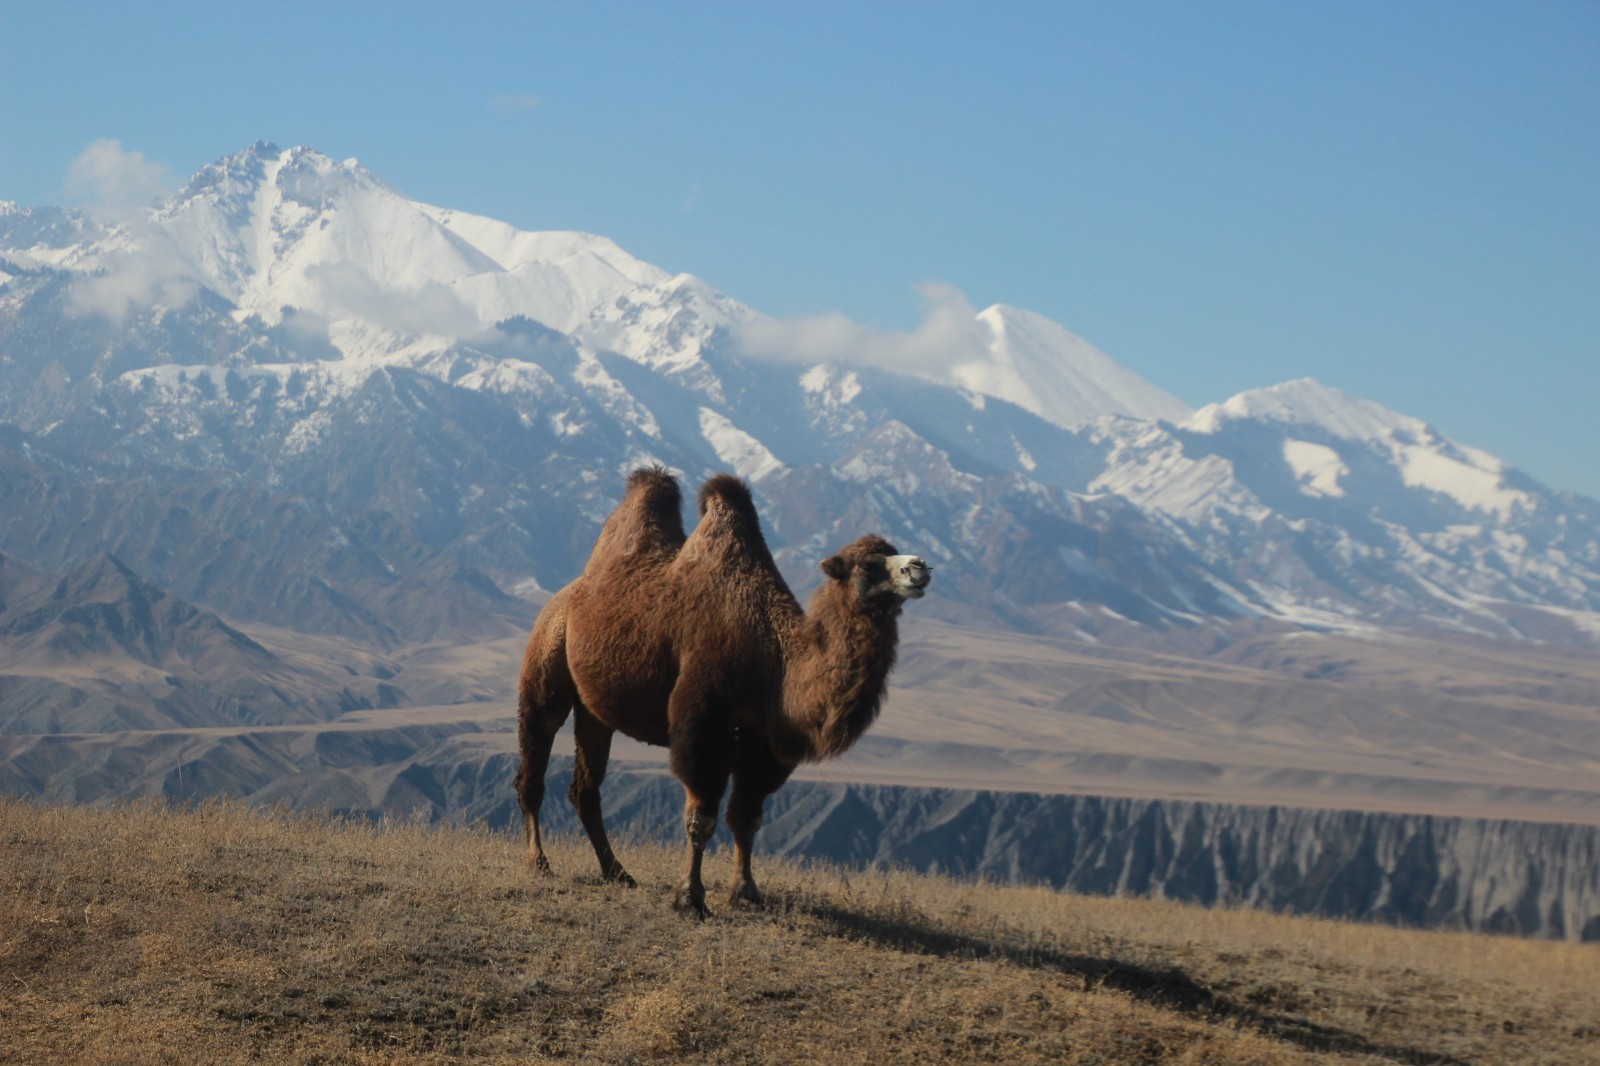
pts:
[226, 934]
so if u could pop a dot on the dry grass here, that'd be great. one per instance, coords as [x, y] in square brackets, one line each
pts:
[227, 934]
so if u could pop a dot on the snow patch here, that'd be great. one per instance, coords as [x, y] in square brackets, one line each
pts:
[826, 381]
[618, 401]
[1474, 479]
[1023, 455]
[748, 457]
[1316, 467]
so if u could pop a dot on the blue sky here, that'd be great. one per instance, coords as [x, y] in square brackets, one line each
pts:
[1399, 198]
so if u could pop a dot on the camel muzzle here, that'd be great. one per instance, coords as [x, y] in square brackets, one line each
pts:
[910, 575]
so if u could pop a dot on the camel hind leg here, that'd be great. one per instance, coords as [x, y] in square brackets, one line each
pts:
[536, 734]
[592, 751]
[545, 696]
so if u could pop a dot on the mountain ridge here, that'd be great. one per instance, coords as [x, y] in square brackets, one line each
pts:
[293, 329]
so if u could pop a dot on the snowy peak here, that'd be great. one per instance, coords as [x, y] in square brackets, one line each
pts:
[301, 175]
[270, 228]
[1307, 402]
[1042, 367]
[377, 276]
[1316, 420]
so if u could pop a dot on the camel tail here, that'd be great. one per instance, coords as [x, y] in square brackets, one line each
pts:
[545, 691]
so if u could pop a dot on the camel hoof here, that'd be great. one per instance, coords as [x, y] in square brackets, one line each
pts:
[686, 901]
[746, 893]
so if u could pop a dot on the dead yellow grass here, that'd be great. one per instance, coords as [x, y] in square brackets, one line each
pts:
[226, 934]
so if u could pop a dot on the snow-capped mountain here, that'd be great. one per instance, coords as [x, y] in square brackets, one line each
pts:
[292, 394]
[1041, 367]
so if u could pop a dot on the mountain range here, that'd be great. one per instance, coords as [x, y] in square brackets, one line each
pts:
[292, 395]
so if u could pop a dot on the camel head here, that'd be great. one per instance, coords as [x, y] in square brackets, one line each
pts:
[877, 573]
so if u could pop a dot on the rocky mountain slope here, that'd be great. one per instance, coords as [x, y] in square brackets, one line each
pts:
[294, 395]
[99, 650]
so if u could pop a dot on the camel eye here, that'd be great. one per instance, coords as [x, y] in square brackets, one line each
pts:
[875, 572]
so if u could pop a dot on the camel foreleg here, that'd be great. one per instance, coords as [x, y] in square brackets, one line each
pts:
[702, 753]
[691, 894]
[757, 776]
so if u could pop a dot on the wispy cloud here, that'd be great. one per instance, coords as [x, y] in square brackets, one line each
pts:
[117, 187]
[132, 281]
[947, 335]
[114, 184]
[515, 103]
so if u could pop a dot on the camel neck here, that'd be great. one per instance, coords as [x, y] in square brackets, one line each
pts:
[836, 675]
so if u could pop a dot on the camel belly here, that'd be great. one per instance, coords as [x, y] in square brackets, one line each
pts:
[612, 686]
[634, 711]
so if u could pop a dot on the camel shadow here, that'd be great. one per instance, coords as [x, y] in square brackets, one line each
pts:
[1168, 988]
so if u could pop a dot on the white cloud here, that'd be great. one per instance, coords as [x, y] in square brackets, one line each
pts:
[117, 187]
[948, 334]
[114, 184]
[154, 275]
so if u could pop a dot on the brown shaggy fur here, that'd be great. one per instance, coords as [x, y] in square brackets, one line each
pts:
[697, 644]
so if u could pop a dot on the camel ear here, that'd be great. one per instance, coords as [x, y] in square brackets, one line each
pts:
[835, 567]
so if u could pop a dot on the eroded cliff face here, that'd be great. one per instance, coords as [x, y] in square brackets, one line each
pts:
[1496, 876]
[1528, 878]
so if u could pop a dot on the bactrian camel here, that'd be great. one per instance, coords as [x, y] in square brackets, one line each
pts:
[696, 644]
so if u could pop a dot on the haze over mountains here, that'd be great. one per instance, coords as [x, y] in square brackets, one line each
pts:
[288, 462]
